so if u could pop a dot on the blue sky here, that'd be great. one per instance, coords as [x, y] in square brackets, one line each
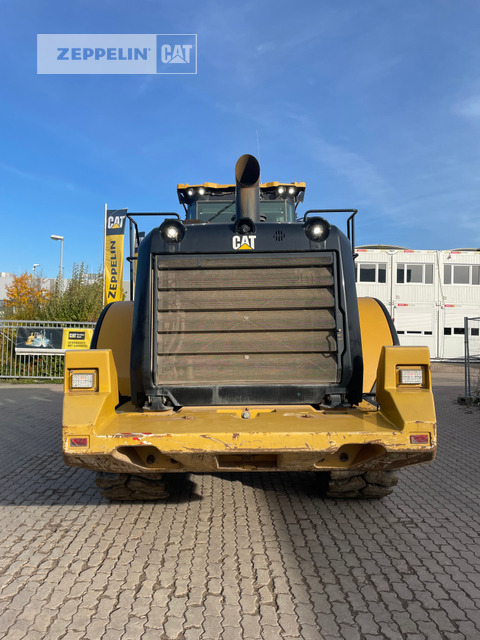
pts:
[375, 104]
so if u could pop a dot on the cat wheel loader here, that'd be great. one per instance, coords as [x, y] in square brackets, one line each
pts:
[246, 348]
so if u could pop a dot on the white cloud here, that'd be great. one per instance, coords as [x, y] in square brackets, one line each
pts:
[360, 172]
[44, 179]
[469, 108]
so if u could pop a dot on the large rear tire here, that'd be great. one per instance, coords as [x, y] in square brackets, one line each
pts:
[357, 485]
[128, 487]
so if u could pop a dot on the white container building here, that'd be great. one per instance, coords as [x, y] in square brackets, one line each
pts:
[428, 294]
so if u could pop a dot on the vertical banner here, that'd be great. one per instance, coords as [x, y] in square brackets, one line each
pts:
[114, 249]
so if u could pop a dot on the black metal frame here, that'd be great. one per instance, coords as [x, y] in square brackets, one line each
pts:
[216, 239]
[135, 239]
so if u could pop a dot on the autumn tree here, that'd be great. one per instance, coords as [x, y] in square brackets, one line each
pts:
[78, 299]
[26, 297]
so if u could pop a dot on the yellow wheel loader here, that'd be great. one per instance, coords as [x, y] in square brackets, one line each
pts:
[246, 348]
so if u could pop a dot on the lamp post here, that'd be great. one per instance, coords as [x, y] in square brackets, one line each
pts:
[61, 252]
[34, 267]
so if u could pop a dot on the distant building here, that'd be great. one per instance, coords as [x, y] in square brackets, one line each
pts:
[6, 280]
[428, 293]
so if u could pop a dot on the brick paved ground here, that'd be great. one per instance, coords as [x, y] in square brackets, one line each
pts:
[235, 556]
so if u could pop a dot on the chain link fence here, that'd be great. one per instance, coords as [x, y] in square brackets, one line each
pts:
[472, 361]
[16, 364]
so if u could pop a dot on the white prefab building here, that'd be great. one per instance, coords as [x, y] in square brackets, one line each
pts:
[428, 294]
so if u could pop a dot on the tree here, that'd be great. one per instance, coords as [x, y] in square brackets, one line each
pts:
[26, 296]
[79, 299]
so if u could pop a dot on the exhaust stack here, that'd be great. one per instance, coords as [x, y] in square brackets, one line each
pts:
[247, 188]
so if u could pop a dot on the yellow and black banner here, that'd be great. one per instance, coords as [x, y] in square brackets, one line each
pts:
[51, 340]
[114, 246]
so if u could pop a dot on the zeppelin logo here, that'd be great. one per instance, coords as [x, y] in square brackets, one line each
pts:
[241, 243]
[113, 266]
[98, 53]
[111, 53]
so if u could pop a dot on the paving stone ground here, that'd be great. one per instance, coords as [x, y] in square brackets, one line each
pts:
[235, 556]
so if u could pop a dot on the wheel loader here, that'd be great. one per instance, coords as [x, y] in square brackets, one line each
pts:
[246, 348]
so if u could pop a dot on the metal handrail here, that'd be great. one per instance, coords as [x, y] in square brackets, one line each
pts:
[350, 222]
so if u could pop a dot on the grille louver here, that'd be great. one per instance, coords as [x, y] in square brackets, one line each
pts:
[246, 319]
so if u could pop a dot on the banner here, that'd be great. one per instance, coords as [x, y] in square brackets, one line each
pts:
[51, 340]
[114, 243]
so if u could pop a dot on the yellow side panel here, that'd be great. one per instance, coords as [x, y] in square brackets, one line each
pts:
[376, 334]
[403, 405]
[116, 334]
[89, 408]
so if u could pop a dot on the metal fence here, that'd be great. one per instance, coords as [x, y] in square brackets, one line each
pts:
[33, 366]
[472, 360]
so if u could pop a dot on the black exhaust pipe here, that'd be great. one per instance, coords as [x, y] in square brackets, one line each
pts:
[247, 188]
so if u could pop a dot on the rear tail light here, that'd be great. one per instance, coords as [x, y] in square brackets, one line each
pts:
[78, 442]
[419, 438]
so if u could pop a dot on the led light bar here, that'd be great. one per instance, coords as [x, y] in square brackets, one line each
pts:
[411, 376]
[83, 380]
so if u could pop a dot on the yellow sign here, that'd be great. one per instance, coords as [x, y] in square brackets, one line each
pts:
[77, 338]
[114, 245]
[51, 340]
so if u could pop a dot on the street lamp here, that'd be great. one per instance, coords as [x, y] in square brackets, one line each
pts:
[35, 266]
[61, 252]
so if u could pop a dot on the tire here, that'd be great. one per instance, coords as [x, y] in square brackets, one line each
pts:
[128, 487]
[357, 485]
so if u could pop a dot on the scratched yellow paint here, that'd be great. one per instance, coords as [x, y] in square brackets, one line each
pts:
[201, 438]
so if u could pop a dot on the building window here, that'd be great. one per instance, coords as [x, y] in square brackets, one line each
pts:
[459, 331]
[371, 272]
[461, 274]
[413, 332]
[414, 273]
[475, 274]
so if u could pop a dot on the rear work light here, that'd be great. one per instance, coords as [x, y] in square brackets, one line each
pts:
[420, 438]
[411, 376]
[317, 229]
[172, 230]
[86, 380]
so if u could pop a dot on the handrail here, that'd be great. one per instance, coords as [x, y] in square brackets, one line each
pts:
[350, 223]
[131, 258]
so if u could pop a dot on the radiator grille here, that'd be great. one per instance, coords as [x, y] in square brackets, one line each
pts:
[246, 319]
